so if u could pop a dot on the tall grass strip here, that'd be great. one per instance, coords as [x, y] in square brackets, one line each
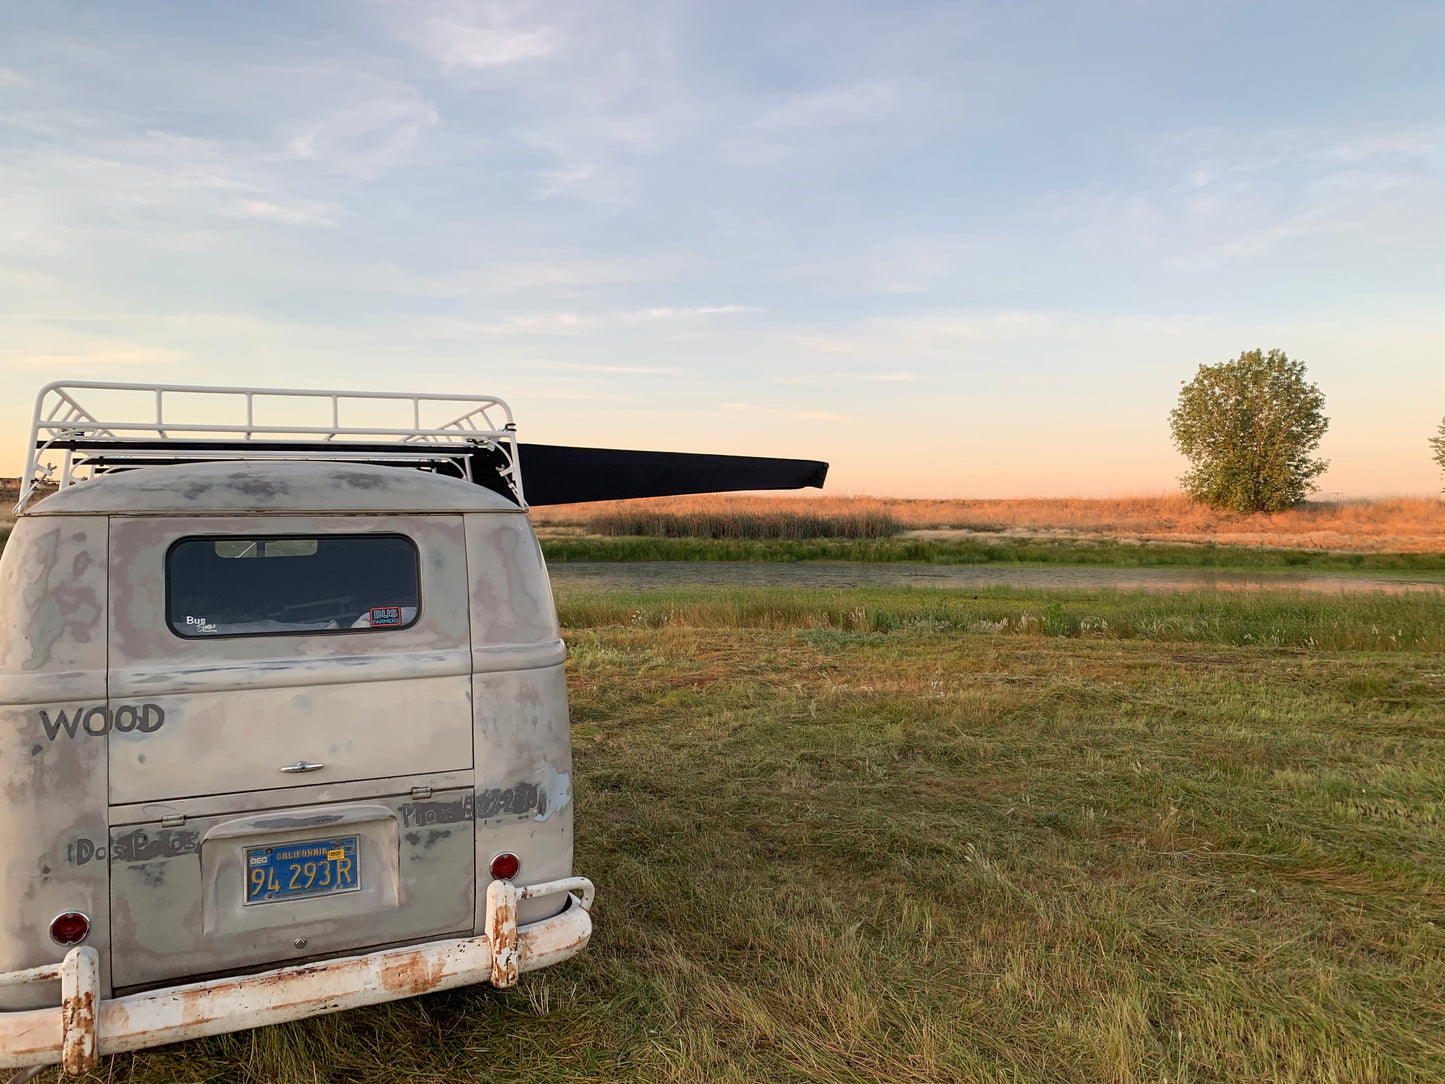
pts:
[790, 525]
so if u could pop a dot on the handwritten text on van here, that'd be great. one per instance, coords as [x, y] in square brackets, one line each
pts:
[101, 719]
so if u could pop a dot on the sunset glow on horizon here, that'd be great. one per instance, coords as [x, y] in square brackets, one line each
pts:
[956, 250]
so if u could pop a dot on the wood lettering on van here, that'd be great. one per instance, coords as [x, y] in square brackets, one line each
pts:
[101, 720]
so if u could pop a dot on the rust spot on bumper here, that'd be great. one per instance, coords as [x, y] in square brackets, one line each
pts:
[413, 974]
[79, 991]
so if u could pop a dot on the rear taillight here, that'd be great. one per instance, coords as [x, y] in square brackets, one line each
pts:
[505, 866]
[69, 928]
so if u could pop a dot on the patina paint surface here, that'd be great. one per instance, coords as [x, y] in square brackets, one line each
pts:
[364, 703]
[511, 598]
[52, 786]
[180, 892]
[521, 729]
[522, 734]
[136, 795]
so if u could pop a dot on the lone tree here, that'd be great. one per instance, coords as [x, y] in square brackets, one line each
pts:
[1249, 427]
[1438, 443]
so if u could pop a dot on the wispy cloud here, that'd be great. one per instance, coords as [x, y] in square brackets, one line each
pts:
[578, 367]
[952, 336]
[150, 189]
[107, 356]
[539, 323]
[547, 274]
[485, 47]
[571, 323]
[367, 138]
[555, 182]
[848, 106]
[590, 395]
[463, 34]
[682, 314]
[756, 411]
[855, 120]
[298, 213]
[1199, 200]
[831, 378]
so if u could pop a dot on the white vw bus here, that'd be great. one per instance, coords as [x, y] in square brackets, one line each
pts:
[283, 723]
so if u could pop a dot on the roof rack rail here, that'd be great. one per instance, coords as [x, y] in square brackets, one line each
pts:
[99, 428]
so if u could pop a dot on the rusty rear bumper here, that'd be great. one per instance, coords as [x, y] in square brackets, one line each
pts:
[84, 1027]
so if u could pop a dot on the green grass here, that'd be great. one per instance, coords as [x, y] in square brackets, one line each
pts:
[973, 551]
[979, 551]
[1367, 622]
[866, 837]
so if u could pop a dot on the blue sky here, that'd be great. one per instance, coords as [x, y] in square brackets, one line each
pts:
[956, 249]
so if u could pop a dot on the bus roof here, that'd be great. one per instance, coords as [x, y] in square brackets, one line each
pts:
[270, 487]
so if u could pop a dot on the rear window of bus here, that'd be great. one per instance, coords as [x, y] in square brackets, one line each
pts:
[261, 585]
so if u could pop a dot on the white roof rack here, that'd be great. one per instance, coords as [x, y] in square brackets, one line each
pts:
[96, 428]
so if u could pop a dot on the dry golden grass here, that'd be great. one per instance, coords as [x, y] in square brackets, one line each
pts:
[1398, 525]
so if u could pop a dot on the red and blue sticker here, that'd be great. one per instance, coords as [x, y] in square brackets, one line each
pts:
[382, 616]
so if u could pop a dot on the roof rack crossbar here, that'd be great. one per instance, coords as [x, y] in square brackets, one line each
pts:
[94, 441]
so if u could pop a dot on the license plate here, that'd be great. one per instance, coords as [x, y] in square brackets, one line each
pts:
[292, 871]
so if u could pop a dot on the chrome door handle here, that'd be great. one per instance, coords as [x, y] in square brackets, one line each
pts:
[302, 766]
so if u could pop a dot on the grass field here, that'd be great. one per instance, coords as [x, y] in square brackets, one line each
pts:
[1161, 532]
[982, 550]
[917, 836]
[995, 550]
[1401, 525]
[780, 524]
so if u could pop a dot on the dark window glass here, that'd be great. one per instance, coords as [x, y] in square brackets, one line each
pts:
[252, 585]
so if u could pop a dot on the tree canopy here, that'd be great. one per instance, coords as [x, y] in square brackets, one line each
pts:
[1438, 443]
[1249, 428]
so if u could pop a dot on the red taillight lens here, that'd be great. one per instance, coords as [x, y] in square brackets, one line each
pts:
[505, 866]
[69, 928]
